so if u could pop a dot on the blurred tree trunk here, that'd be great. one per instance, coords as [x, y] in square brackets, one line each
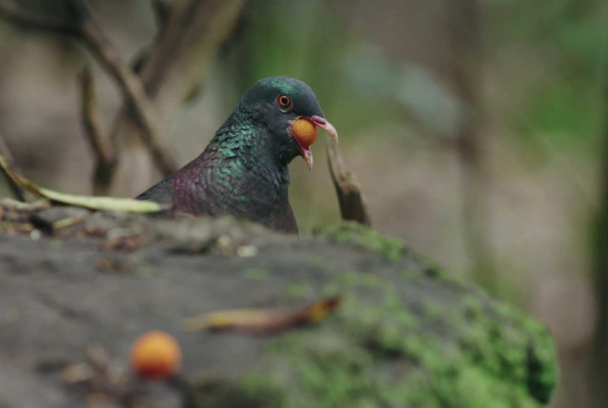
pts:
[467, 76]
[599, 358]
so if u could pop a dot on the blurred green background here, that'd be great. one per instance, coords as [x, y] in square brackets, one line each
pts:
[476, 128]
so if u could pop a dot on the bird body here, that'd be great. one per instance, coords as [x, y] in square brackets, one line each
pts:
[244, 169]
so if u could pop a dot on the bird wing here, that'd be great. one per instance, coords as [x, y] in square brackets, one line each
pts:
[160, 192]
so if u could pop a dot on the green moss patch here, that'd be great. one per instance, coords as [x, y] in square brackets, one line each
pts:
[378, 352]
[360, 236]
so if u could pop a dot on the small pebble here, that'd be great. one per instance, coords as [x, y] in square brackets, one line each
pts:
[35, 235]
[247, 251]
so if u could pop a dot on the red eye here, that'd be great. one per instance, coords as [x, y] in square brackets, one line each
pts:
[284, 101]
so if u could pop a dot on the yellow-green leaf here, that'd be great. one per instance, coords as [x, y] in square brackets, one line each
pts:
[94, 203]
[262, 321]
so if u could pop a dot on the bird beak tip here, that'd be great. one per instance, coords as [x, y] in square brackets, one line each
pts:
[328, 127]
[309, 160]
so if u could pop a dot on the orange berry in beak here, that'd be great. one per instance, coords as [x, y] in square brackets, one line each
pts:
[305, 132]
[156, 356]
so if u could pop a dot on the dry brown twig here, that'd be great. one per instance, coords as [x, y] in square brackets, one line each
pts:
[104, 154]
[177, 63]
[82, 27]
[162, 12]
[352, 203]
[133, 91]
[191, 34]
[89, 115]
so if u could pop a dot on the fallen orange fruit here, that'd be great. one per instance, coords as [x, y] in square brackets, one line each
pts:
[156, 355]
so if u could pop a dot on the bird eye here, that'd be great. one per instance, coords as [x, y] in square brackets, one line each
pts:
[284, 101]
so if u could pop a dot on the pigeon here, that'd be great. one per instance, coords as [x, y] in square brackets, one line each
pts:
[243, 171]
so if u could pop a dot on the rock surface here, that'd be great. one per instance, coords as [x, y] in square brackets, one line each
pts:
[76, 284]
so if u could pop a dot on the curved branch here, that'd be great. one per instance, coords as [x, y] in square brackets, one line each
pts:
[104, 155]
[84, 29]
[176, 65]
[352, 203]
[162, 12]
[133, 91]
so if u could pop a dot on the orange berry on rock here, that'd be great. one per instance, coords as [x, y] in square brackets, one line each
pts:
[156, 356]
[305, 132]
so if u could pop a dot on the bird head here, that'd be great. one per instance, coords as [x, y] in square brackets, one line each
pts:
[291, 112]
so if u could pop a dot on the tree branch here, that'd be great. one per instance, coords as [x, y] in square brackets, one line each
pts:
[101, 148]
[104, 155]
[134, 92]
[162, 12]
[176, 64]
[83, 28]
[352, 203]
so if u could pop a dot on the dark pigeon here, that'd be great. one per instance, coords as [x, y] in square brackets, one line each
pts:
[243, 171]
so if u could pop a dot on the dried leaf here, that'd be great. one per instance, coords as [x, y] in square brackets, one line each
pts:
[12, 228]
[11, 204]
[247, 251]
[127, 243]
[68, 222]
[98, 357]
[77, 373]
[263, 321]
[94, 203]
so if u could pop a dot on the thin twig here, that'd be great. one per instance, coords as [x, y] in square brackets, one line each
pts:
[352, 203]
[134, 92]
[162, 12]
[83, 28]
[104, 154]
[16, 189]
[177, 62]
[183, 52]
[101, 148]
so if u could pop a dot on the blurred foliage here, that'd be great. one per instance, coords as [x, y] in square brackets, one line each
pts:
[570, 113]
[566, 103]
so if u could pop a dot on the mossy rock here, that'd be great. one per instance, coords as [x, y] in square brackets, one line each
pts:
[405, 334]
[404, 349]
